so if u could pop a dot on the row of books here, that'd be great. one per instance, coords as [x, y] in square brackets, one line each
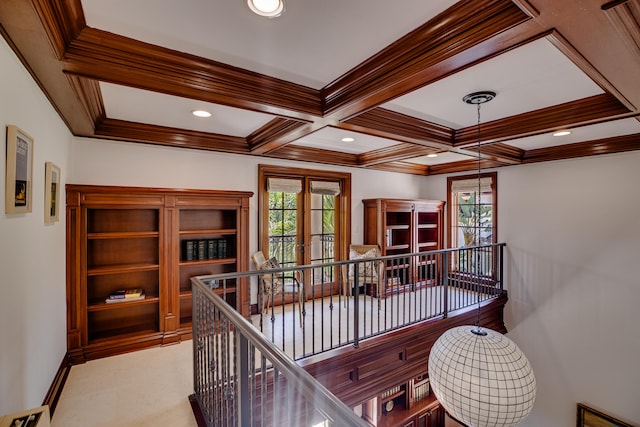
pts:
[204, 249]
[125, 295]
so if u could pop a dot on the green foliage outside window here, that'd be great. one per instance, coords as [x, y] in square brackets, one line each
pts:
[472, 220]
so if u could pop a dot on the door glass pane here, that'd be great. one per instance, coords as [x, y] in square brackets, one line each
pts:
[322, 235]
[283, 225]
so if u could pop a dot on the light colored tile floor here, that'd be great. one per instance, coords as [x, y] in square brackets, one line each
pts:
[145, 388]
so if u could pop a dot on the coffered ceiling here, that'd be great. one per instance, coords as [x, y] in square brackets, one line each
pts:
[390, 75]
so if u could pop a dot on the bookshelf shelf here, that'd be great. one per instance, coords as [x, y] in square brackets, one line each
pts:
[209, 261]
[134, 238]
[221, 232]
[123, 235]
[101, 305]
[121, 268]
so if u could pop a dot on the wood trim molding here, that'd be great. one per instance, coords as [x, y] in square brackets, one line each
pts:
[62, 22]
[625, 17]
[88, 92]
[160, 135]
[57, 385]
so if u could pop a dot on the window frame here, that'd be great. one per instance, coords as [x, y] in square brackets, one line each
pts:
[343, 203]
[452, 205]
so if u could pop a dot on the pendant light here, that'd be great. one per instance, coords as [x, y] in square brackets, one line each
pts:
[481, 377]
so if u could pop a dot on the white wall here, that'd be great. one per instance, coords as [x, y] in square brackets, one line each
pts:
[103, 162]
[573, 238]
[32, 254]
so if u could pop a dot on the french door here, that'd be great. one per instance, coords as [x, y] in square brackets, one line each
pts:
[304, 218]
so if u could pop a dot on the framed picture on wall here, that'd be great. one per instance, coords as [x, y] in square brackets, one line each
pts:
[19, 179]
[51, 192]
[589, 417]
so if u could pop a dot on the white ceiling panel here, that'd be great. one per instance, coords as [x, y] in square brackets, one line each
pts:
[580, 134]
[330, 138]
[531, 77]
[135, 105]
[312, 43]
[446, 157]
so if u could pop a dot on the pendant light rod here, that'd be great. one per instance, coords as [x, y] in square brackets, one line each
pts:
[478, 98]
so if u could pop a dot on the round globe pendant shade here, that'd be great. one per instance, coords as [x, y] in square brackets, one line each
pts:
[481, 377]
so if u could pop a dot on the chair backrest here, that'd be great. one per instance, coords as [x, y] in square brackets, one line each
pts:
[258, 260]
[269, 281]
[364, 251]
[367, 271]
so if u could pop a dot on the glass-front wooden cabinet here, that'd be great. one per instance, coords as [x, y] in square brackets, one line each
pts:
[402, 227]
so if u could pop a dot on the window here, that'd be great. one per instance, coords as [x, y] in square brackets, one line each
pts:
[472, 214]
[305, 217]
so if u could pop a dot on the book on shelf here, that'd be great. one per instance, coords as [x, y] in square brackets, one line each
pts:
[119, 294]
[125, 295]
[188, 250]
[202, 250]
[133, 293]
[222, 248]
[212, 249]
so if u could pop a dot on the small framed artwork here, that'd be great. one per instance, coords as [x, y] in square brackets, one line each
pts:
[589, 417]
[51, 192]
[19, 171]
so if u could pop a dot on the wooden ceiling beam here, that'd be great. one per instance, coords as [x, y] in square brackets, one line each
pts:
[315, 155]
[596, 108]
[161, 135]
[612, 145]
[416, 59]
[268, 136]
[121, 60]
[403, 167]
[392, 154]
[385, 123]
[37, 31]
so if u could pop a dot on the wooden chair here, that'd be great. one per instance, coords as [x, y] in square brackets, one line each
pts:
[369, 273]
[278, 283]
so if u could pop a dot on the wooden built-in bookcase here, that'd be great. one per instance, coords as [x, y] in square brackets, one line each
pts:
[402, 227]
[133, 237]
[413, 405]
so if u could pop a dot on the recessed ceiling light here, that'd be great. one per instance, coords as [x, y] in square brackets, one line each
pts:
[201, 113]
[268, 8]
[562, 133]
[348, 139]
[432, 155]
